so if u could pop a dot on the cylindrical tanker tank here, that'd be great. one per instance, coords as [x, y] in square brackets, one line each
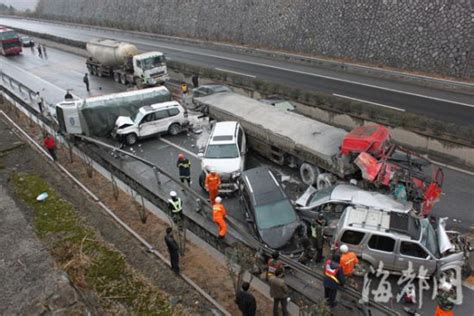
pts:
[110, 52]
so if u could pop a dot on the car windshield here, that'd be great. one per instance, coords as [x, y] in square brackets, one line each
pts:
[222, 151]
[274, 214]
[152, 62]
[321, 196]
[137, 117]
[429, 238]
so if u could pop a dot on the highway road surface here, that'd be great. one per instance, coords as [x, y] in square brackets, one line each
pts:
[63, 71]
[446, 106]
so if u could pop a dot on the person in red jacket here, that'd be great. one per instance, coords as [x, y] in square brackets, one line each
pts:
[50, 145]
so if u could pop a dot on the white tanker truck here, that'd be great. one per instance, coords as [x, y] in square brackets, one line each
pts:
[124, 63]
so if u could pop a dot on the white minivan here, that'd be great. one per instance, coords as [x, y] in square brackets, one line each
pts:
[151, 120]
[225, 153]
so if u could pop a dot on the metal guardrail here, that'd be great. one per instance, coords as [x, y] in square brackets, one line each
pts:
[248, 239]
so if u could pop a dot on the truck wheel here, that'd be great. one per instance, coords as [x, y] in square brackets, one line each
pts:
[139, 83]
[117, 77]
[123, 79]
[324, 180]
[174, 129]
[131, 139]
[309, 173]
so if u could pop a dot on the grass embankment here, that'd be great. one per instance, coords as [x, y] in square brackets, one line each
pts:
[90, 263]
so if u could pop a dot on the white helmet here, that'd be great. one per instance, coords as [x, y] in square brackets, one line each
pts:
[344, 248]
[353, 181]
[173, 194]
[445, 286]
[218, 199]
[212, 169]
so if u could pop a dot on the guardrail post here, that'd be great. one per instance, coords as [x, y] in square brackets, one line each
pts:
[157, 176]
[198, 206]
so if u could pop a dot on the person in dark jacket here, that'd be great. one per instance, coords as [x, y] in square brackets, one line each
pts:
[317, 236]
[333, 279]
[173, 249]
[246, 301]
[184, 166]
[195, 80]
[85, 79]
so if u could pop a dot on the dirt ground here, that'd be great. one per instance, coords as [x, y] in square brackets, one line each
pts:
[197, 264]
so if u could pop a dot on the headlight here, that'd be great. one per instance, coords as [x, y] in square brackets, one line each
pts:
[235, 175]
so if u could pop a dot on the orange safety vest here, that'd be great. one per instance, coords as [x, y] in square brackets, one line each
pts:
[213, 180]
[441, 312]
[218, 212]
[330, 272]
[348, 262]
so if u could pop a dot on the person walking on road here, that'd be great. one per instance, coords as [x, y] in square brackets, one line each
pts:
[40, 52]
[317, 236]
[195, 80]
[348, 261]
[184, 167]
[246, 301]
[184, 91]
[85, 79]
[333, 279]
[175, 206]
[445, 300]
[32, 47]
[50, 144]
[279, 293]
[173, 250]
[219, 214]
[212, 183]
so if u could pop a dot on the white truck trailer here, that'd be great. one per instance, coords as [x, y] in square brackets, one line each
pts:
[324, 153]
[124, 63]
[96, 116]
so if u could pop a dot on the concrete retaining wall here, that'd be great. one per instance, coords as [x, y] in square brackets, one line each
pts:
[425, 35]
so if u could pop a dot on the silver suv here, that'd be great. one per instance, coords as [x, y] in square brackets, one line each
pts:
[396, 239]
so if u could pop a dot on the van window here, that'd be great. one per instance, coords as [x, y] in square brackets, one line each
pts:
[148, 118]
[381, 243]
[352, 237]
[161, 114]
[173, 112]
[413, 250]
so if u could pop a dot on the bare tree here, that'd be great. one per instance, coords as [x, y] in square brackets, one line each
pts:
[239, 259]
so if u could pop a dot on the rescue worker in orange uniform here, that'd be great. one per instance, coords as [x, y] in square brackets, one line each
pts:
[219, 214]
[213, 181]
[348, 261]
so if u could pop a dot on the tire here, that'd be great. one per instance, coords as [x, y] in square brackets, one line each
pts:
[309, 173]
[116, 76]
[123, 79]
[174, 129]
[131, 139]
[361, 269]
[324, 180]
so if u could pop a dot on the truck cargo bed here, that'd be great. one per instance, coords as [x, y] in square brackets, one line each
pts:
[302, 137]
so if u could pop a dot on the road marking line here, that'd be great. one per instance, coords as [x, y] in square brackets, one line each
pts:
[370, 102]
[308, 74]
[235, 72]
[180, 148]
[470, 173]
